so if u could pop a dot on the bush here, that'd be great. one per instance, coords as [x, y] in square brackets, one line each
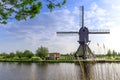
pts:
[117, 58]
[27, 53]
[16, 58]
[36, 58]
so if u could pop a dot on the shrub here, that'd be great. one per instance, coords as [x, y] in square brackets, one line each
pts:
[117, 58]
[36, 58]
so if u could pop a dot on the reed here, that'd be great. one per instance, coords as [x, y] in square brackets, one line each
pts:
[99, 71]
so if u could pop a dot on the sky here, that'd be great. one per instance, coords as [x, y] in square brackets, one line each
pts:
[41, 31]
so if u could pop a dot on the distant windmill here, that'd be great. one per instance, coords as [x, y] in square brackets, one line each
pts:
[84, 51]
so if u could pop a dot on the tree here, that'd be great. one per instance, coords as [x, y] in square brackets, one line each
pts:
[114, 53]
[118, 53]
[4, 55]
[19, 54]
[42, 52]
[12, 54]
[24, 9]
[109, 53]
[27, 53]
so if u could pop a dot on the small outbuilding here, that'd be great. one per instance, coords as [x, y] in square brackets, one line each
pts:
[53, 56]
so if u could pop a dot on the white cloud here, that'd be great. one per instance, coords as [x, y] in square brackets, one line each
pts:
[114, 23]
[110, 2]
[42, 31]
[76, 11]
[96, 17]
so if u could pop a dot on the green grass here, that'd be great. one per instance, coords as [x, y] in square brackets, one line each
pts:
[63, 59]
[67, 57]
[109, 57]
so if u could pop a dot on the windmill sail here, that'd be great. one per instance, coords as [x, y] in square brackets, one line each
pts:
[70, 32]
[99, 31]
[82, 16]
[91, 31]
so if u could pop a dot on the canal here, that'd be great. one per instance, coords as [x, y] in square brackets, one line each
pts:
[59, 71]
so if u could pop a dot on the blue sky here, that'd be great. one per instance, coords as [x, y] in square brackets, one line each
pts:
[31, 34]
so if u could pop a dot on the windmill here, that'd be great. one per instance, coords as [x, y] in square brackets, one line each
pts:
[84, 51]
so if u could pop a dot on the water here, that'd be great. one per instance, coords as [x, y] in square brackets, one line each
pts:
[58, 71]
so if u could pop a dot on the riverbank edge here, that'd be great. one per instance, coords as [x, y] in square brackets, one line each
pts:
[64, 61]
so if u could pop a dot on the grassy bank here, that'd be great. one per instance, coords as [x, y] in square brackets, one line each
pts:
[62, 59]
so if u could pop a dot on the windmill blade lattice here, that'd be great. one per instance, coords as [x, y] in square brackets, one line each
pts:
[99, 31]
